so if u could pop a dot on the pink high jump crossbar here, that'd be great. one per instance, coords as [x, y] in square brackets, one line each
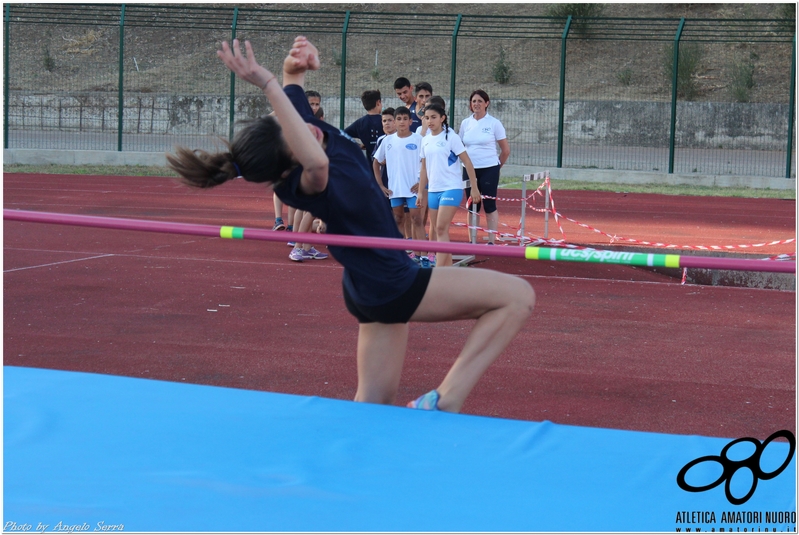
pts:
[529, 252]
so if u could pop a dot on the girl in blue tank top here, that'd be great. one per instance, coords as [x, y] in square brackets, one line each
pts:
[312, 166]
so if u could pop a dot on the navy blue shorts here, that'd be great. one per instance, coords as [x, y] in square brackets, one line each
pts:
[487, 182]
[398, 310]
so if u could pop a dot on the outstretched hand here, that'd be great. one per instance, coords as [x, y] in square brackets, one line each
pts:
[246, 68]
[302, 57]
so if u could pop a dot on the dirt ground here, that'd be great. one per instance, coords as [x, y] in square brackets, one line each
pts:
[172, 51]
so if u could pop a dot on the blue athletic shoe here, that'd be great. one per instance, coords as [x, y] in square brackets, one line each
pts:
[425, 262]
[279, 224]
[427, 402]
[313, 254]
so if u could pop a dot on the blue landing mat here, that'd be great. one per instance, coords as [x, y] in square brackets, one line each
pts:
[93, 451]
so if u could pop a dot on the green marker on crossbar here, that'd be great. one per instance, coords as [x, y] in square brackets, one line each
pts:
[603, 257]
[236, 233]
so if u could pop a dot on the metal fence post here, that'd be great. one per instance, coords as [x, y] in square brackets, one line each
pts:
[562, 97]
[6, 73]
[675, 67]
[453, 69]
[233, 77]
[121, 94]
[791, 109]
[342, 108]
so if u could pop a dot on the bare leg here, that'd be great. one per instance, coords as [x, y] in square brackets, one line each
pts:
[501, 304]
[493, 222]
[433, 217]
[278, 204]
[304, 224]
[381, 353]
[442, 223]
[417, 226]
[399, 217]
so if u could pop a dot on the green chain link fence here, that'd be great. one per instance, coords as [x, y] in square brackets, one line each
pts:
[146, 78]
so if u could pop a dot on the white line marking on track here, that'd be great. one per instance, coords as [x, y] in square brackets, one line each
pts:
[282, 264]
[58, 263]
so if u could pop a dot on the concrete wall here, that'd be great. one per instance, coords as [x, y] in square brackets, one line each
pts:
[157, 159]
[701, 125]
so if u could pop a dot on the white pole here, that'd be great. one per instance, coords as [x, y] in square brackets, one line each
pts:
[473, 221]
[525, 179]
[546, 213]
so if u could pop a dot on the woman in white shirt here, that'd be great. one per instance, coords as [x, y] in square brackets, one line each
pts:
[481, 133]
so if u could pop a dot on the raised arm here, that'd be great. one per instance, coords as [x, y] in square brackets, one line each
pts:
[302, 139]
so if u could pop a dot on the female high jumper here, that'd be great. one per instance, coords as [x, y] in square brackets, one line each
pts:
[312, 166]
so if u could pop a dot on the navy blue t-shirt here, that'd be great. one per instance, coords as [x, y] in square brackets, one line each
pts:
[352, 204]
[368, 128]
[416, 121]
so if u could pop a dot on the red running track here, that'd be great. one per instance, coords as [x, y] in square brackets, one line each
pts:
[608, 346]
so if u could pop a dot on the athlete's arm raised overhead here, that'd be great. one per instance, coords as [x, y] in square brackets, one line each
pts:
[304, 140]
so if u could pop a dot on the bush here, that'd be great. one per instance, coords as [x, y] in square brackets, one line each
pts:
[48, 61]
[625, 77]
[689, 63]
[502, 70]
[742, 80]
[577, 11]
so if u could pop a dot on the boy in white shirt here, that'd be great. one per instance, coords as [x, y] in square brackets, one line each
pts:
[399, 153]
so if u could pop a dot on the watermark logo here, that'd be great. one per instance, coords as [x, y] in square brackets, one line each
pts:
[730, 467]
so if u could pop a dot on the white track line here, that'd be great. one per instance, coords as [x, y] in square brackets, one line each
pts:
[286, 263]
[336, 265]
[58, 263]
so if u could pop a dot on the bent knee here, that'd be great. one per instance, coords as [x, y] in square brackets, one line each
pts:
[524, 297]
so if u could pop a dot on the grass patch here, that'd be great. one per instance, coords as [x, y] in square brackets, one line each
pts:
[505, 182]
[663, 189]
[111, 170]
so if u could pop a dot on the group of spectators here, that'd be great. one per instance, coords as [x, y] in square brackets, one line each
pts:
[412, 149]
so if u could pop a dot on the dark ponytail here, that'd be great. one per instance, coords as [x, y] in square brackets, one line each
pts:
[258, 153]
[202, 169]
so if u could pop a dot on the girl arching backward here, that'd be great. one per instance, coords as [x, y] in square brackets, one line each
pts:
[312, 167]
